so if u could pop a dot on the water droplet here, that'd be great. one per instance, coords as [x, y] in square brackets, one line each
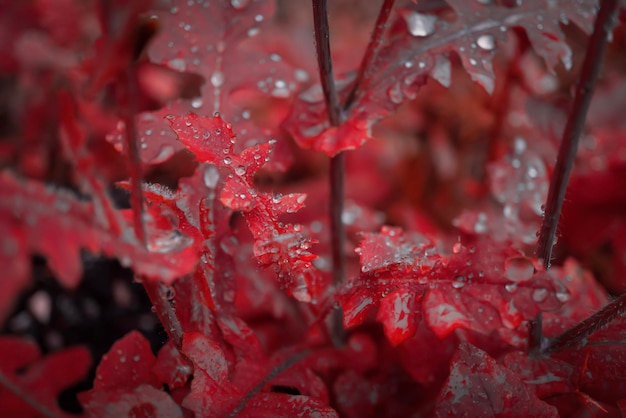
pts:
[211, 177]
[480, 227]
[562, 296]
[177, 64]
[217, 79]
[486, 42]
[442, 71]
[395, 94]
[539, 295]
[253, 32]
[240, 171]
[518, 269]
[228, 160]
[511, 287]
[457, 247]
[196, 103]
[420, 25]
[239, 4]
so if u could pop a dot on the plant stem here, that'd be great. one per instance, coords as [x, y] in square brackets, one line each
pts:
[12, 387]
[157, 292]
[337, 163]
[324, 61]
[576, 336]
[371, 52]
[574, 127]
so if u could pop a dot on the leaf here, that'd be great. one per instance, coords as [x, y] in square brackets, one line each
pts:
[171, 367]
[478, 386]
[40, 378]
[144, 401]
[213, 394]
[483, 288]
[128, 364]
[280, 246]
[417, 47]
[39, 217]
[206, 37]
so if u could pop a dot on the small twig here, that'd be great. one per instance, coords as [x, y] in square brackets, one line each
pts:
[576, 336]
[157, 292]
[133, 159]
[273, 374]
[371, 52]
[604, 24]
[337, 163]
[33, 403]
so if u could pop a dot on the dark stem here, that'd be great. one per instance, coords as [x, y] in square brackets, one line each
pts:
[157, 292]
[337, 164]
[134, 160]
[577, 335]
[273, 374]
[371, 53]
[324, 61]
[10, 386]
[574, 127]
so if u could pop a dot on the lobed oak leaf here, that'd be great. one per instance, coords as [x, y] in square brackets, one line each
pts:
[417, 47]
[478, 386]
[33, 383]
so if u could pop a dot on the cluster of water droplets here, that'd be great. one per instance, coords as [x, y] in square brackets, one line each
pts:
[520, 183]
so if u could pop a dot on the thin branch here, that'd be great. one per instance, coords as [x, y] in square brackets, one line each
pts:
[577, 335]
[324, 61]
[32, 402]
[604, 24]
[337, 163]
[133, 160]
[273, 374]
[371, 53]
[157, 292]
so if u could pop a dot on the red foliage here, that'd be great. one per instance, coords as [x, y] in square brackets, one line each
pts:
[188, 107]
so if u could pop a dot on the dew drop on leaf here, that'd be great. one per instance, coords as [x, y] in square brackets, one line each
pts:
[518, 269]
[239, 4]
[217, 79]
[211, 177]
[486, 42]
[196, 103]
[420, 25]
[539, 295]
[511, 287]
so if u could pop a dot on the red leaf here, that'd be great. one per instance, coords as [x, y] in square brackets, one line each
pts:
[41, 379]
[171, 367]
[478, 386]
[282, 247]
[38, 217]
[213, 394]
[420, 47]
[206, 38]
[128, 364]
[483, 288]
[144, 401]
